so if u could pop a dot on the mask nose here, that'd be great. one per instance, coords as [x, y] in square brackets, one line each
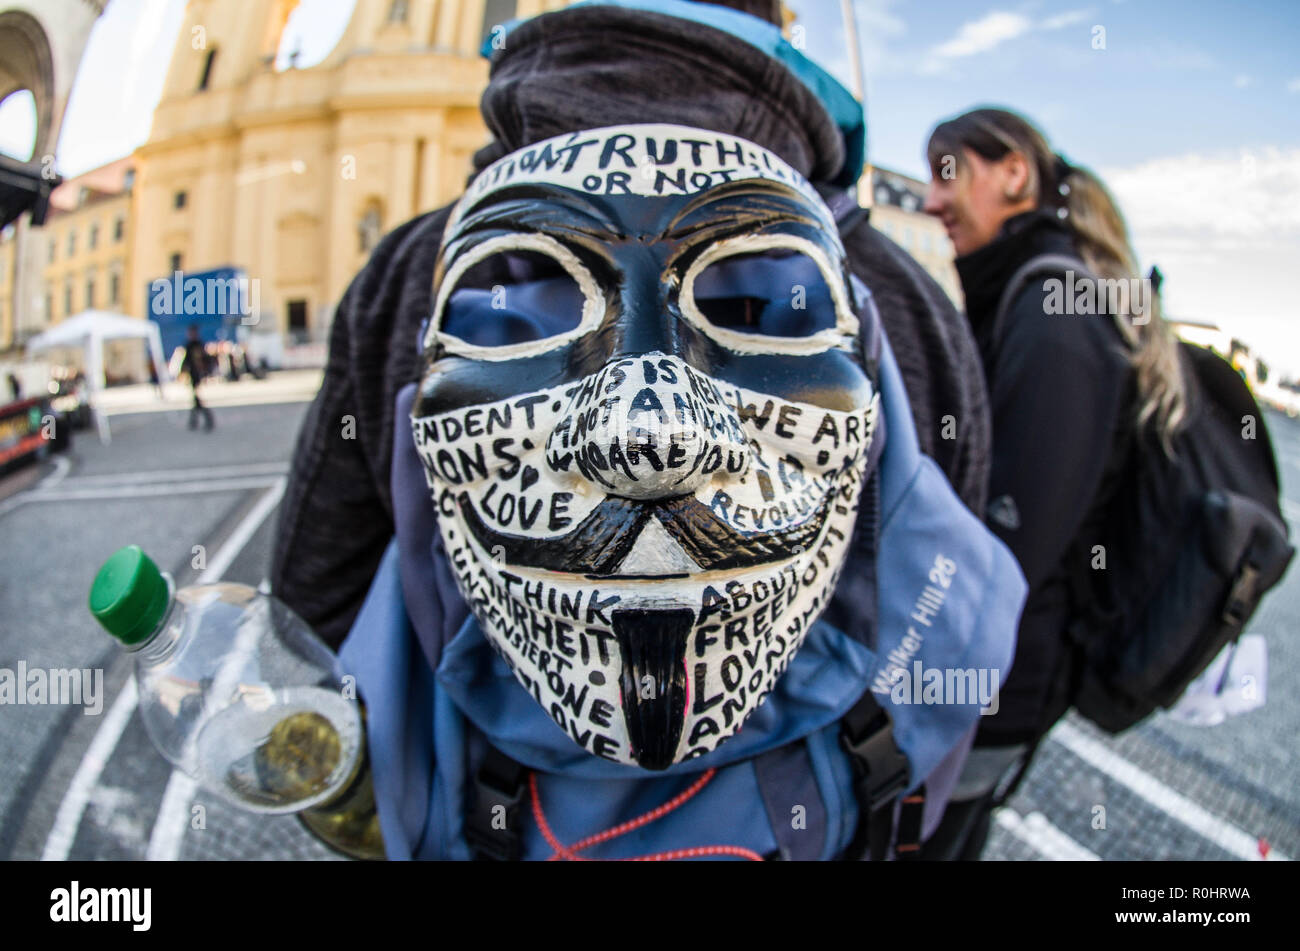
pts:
[649, 427]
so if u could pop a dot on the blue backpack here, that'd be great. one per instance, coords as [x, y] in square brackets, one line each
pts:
[848, 757]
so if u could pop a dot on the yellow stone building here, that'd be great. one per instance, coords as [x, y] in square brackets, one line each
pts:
[83, 258]
[88, 242]
[293, 175]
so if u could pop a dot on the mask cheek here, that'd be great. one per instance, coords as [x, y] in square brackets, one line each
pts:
[801, 442]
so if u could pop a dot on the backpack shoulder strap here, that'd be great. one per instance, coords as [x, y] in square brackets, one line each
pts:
[1043, 264]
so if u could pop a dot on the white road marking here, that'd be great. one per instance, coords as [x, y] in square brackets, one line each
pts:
[243, 532]
[1222, 833]
[197, 473]
[153, 489]
[67, 820]
[61, 467]
[1043, 837]
[145, 484]
[212, 401]
[165, 842]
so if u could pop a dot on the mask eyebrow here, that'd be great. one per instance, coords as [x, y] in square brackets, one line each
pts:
[743, 206]
[572, 211]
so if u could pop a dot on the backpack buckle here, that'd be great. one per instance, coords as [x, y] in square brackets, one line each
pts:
[490, 828]
[1241, 599]
[880, 768]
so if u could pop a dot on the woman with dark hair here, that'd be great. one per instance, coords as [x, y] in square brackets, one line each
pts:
[1069, 396]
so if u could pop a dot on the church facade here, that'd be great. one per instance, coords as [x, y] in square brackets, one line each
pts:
[292, 175]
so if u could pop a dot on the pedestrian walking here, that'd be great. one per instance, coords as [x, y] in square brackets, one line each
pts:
[196, 365]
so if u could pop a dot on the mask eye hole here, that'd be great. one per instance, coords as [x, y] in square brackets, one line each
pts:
[513, 297]
[773, 293]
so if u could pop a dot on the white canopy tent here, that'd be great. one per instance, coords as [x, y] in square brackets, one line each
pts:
[87, 331]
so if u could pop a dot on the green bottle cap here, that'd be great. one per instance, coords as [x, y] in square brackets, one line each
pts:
[129, 596]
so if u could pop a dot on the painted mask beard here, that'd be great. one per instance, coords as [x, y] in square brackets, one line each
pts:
[647, 506]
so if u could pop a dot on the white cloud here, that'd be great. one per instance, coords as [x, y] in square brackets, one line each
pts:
[18, 125]
[1293, 85]
[1069, 18]
[989, 32]
[1225, 230]
[1242, 81]
[977, 36]
[1251, 194]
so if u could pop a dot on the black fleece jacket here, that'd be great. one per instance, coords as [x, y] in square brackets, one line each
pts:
[1060, 392]
[579, 69]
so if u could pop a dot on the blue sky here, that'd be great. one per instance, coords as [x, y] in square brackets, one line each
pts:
[1173, 78]
[1189, 113]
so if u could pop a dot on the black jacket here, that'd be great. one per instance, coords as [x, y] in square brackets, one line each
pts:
[1061, 397]
[578, 69]
[195, 362]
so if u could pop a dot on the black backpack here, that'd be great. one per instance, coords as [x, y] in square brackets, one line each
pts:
[1190, 543]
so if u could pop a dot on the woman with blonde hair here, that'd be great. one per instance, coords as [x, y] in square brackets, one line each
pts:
[1079, 366]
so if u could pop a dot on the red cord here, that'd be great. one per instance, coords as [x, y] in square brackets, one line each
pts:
[569, 853]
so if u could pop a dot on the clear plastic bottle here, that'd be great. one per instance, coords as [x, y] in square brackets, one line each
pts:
[238, 692]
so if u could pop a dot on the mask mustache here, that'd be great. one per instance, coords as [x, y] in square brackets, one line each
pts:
[598, 544]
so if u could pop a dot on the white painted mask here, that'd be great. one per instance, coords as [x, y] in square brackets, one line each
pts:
[645, 421]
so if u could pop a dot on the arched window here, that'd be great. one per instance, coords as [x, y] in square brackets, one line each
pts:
[397, 12]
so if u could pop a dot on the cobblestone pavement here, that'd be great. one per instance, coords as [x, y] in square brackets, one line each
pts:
[1166, 790]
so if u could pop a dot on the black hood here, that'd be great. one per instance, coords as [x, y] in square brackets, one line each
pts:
[590, 67]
